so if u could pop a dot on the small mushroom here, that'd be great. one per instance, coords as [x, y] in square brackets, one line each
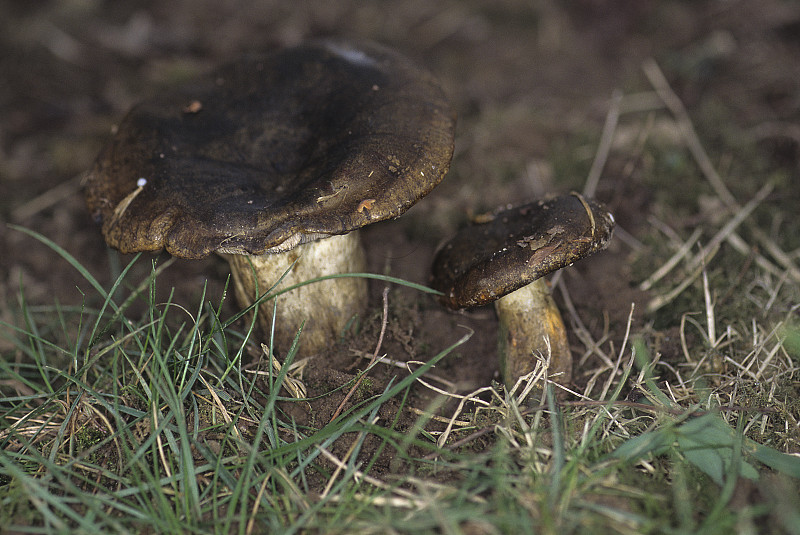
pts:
[274, 162]
[503, 259]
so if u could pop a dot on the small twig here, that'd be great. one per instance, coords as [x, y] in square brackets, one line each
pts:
[384, 321]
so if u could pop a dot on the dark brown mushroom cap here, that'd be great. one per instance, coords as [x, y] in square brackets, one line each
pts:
[270, 152]
[484, 262]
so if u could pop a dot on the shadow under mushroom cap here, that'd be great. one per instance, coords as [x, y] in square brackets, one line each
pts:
[484, 262]
[273, 151]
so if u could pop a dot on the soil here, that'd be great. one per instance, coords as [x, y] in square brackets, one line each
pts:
[531, 81]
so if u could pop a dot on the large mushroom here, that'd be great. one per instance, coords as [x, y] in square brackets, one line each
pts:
[503, 260]
[275, 162]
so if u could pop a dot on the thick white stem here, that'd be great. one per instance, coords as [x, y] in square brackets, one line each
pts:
[529, 322]
[326, 307]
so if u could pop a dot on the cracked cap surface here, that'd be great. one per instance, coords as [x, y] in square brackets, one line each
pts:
[486, 261]
[273, 151]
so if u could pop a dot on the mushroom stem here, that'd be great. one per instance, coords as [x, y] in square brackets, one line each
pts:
[326, 306]
[531, 325]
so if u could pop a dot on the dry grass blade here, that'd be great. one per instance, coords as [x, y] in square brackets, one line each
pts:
[359, 476]
[778, 254]
[671, 100]
[384, 322]
[404, 365]
[661, 300]
[39, 427]
[457, 412]
[743, 248]
[673, 261]
[625, 340]
[462, 441]
[122, 207]
[251, 522]
[674, 104]
[604, 147]
[643, 101]
[162, 455]
[741, 214]
[593, 346]
[437, 418]
[294, 385]
[696, 265]
[49, 198]
[219, 405]
[463, 399]
[347, 455]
